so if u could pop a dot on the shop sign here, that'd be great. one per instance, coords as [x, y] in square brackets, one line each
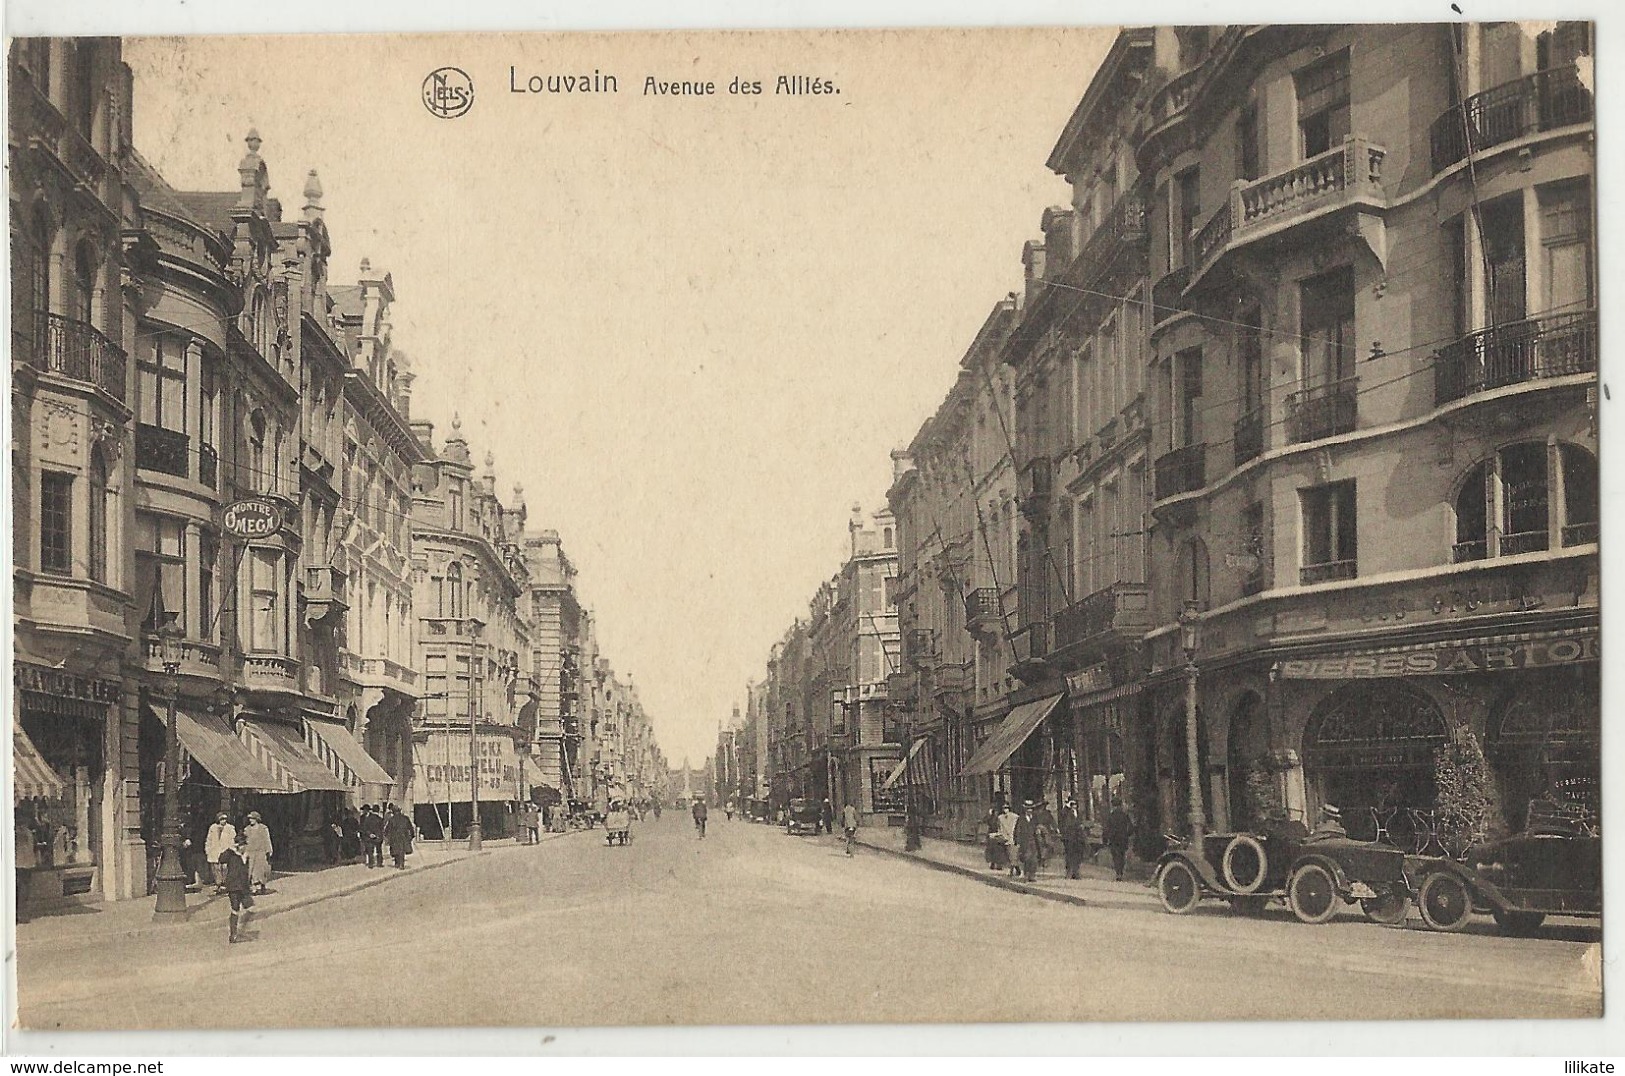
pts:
[441, 768]
[66, 685]
[1446, 660]
[885, 800]
[252, 518]
[1085, 681]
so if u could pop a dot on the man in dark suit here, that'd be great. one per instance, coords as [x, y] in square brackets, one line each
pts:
[1027, 842]
[1119, 829]
[1073, 839]
[372, 834]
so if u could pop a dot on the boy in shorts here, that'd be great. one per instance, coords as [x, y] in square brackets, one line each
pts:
[238, 886]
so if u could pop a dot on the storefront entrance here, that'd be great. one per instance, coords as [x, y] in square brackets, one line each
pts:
[61, 822]
[1545, 743]
[1370, 749]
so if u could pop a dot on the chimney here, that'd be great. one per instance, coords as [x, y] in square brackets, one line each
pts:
[901, 463]
[423, 432]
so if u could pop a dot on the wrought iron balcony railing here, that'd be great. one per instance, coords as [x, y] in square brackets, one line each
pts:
[1328, 571]
[1544, 101]
[1181, 471]
[165, 451]
[1323, 411]
[1124, 608]
[1248, 436]
[78, 351]
[1534, 349]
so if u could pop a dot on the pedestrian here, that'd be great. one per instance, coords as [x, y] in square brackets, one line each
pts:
[1048, 837]
[1026, 836]
[1330, 824]
[534, 815]
[238, 878]
[728, 809]
[826, 816]
[992, 844]
[260, 850]
[699, 816]
[398, 831]
[221, 836]
[849, 822]
[1007, 838]
[372, 834]
[1119, 828]
[350, 835]
[1074, 841]
[332, 837]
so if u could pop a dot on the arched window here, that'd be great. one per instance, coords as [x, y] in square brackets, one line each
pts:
[1513, 502]
[458, 601]
[98, 515]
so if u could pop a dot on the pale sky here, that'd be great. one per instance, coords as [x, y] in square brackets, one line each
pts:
[693, 328]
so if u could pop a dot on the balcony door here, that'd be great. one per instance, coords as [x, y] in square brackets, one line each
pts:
[1501, 223]
[1326, 318]
[1565, 236]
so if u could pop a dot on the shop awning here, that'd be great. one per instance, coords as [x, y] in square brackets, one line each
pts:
[282, 750]
[1018, 724]
[902, 767]
[31, 775]
[347, 760]
[533, 773]
[208, 739]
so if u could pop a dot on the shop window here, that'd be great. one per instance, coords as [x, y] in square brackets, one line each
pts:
[55, 523]
[1329, 533]
[1323, 104]
[160, 560]
[1370, 749]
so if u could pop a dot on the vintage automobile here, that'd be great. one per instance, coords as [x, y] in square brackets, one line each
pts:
[1554, 867]
[802, 817]
[1315, 875]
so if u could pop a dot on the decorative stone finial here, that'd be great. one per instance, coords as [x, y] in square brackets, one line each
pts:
[366, 266]
[313, 187]
[456, 422]
[253, 139]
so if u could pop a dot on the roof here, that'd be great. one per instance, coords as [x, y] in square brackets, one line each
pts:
[211, 207]
[346, 300]
[155, 190]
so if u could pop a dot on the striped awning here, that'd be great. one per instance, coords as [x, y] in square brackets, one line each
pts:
[208, 739]
[31, 775]
[331, 742]
[281, 750]
[1009, 736]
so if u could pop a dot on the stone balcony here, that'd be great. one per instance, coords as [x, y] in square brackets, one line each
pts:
[75, 606]
[275, 673]
[326, 592]
[1346, 177]
[198, 658]
[381, 673]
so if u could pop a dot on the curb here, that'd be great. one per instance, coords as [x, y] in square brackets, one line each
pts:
[193, 916]
[994, 880]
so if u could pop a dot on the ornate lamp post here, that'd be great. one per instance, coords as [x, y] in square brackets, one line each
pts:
[171, 902]
[475, 842]
[1190, 638]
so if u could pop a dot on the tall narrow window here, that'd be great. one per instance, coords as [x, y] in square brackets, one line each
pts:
[1565, 233]
[1250, 357]
[82, 296]
[1454, 236]
[1329, 532]
[1525, 498]
[454, 506]
[55, 523]
[84, 87]
[258, 466]
[1323, 104]
[1188, 373]
[1252, 528]
[1189, 213]
[1473, 514]
[208, 555]
[39, 264]
[265, 619]
[1326, 317]
[160, 559]
[1501, 224]
[1579, 495]
[1248, 155]
[454, 589]
[98, 515]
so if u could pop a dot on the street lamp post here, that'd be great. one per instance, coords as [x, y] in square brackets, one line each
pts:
[1190, 637]
[474, 835]
[170, 905]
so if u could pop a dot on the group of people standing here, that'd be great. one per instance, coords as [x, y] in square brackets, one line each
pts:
[357, 835]
[1022, 843]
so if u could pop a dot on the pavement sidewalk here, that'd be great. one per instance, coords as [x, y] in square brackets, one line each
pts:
[92, 923]
[1097, 886]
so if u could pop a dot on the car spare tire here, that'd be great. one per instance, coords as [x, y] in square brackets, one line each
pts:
[1245, 864]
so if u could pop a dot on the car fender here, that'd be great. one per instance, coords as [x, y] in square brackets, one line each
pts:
[1486, 895]
[1339, 875]
[1204, 871]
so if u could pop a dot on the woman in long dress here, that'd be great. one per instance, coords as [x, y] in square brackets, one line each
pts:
[259, 851]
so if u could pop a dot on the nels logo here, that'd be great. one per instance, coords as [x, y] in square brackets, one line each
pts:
[448, 92]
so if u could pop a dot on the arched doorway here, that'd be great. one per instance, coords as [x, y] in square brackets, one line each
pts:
[1545, 743]
[1370, 749]
[1252, 788]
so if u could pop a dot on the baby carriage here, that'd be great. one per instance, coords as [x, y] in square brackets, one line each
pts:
[618, 823]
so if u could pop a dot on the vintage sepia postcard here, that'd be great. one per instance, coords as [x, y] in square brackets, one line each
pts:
[805, 527]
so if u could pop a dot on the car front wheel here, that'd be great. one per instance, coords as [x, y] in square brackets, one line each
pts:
[1312, 893]
[1444, 902]
[1388, 909]
[1178, 887]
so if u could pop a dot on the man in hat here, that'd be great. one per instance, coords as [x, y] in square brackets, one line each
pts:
[1027, 849]
[235, 869]
[221, 836]
[1074, 841]
[372, 834]
[1119, 830]
[258, 838]
[1330, 824]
